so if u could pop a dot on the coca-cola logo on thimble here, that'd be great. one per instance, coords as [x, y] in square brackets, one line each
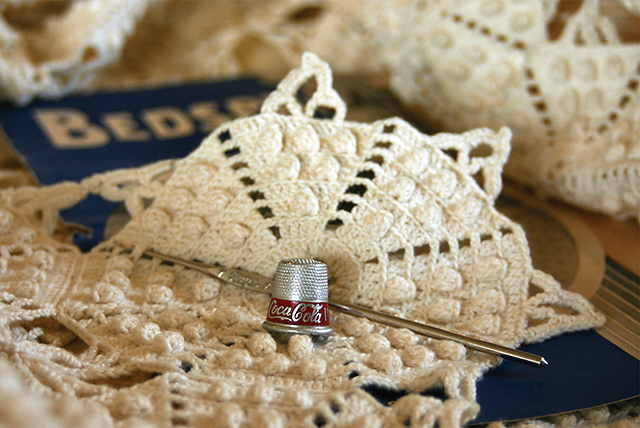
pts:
[298, 313]
[299, 299]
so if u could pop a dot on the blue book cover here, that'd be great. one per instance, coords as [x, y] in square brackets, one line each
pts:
[78, 136]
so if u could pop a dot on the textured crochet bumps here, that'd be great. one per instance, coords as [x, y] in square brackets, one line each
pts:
[404, 221]
[563, 75]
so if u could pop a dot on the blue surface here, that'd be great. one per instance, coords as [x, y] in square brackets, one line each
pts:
[52, 164]
[585, 370]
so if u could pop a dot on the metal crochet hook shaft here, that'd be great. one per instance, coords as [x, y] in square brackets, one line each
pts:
[255, 282]
[437, 333]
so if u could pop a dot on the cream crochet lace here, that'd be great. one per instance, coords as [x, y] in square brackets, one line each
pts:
[562, 75]
[404, 221]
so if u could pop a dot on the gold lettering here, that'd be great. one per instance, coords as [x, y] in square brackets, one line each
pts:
[209, 115]
[70, 129]
[124, 127]
[168, 122]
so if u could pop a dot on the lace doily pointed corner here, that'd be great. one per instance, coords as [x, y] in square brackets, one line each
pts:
[552, 310]
[307, 92]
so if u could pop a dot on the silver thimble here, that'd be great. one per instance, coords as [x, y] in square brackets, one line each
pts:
[299, 299]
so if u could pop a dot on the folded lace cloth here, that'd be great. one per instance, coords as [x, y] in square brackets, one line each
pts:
[562, 75]
[404, 221]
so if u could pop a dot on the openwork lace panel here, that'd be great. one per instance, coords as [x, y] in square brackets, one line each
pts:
[562, 75]
[404, 221]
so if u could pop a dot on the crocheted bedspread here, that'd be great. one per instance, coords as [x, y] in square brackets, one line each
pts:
[404, 221]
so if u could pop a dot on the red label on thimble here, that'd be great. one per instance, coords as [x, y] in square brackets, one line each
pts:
[291, 312]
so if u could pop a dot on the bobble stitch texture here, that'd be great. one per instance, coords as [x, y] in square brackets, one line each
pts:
[168, 342]
[448, 350]
[372, 343]
[313, 367]
[385, 361]
[274, 363]
[300, 346]
[205, 289]
[160, 294]
[261, 344]
[267, 418]
[261, 393]
[165, 278]
[444, 310]
[196, 330]
[400, 290]
[147, 332]
[299, 398]
[107, 293]
[229, 415]
[222, 390]
[401, 337]
[124, 324]
[155, 218]
[237, 359]
[382, 204]
[417, 356]
[357, 327]
[193, 226]
[234, 235]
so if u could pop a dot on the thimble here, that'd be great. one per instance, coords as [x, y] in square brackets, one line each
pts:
[299, 300]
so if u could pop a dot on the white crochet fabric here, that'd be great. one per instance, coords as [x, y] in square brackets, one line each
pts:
[51, 48]
[404, 221]
[48, 49]
[564, 76]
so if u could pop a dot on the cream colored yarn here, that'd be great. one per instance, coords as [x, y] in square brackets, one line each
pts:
[48, 49]
[404, 221]
[567, 87]
[618, 415]
[565, 81]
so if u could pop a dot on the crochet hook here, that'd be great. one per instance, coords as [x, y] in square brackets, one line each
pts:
[256, 282]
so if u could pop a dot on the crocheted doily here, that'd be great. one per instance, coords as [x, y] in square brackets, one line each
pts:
[404, 221]
[563, 75]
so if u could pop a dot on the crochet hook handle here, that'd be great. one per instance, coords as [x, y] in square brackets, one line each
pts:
[255, 282]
